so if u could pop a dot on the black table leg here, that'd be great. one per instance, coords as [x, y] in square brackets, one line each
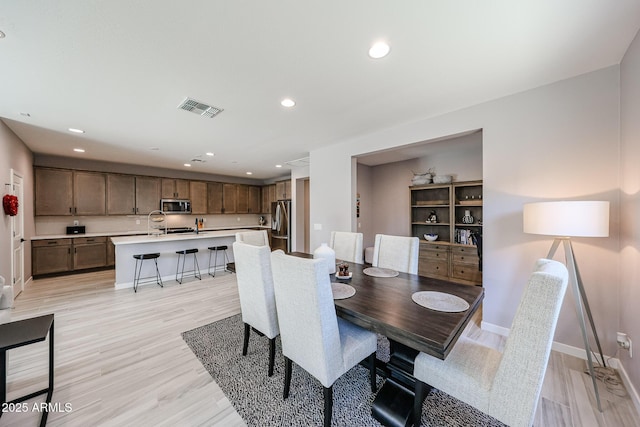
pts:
[3, 378]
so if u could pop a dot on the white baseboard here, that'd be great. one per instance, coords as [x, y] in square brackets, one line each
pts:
[581, 354]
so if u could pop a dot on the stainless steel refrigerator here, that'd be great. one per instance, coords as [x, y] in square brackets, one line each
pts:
[281, 225]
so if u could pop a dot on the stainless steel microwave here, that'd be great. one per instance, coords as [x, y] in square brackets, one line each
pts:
[175, 206]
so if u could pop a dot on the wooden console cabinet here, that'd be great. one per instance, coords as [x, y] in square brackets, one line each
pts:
[453, 256]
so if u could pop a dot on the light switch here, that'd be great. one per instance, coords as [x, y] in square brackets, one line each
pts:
[317, 227]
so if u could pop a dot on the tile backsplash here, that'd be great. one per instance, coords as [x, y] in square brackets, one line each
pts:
[96, 224]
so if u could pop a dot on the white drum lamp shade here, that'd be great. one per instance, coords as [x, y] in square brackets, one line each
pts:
[567, 218]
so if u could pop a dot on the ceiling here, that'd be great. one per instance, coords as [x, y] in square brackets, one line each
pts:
[118, 71]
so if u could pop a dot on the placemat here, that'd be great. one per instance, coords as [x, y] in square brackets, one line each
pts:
[440, 301]
[380, 272]
[342, 290]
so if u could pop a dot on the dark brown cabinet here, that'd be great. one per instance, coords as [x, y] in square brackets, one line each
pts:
[89, 252]
[268, 197]
[283, 190]
[242, 198]
[147, 194]
[175, 188]
[130, 195]
[255, 199]
[89, 193]
[51, 256]
[229, 198]
[53, 192]
[214, 197]
[198, 194]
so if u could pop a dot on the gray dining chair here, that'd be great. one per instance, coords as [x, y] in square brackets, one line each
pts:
[312, 335]
[256, 238]
[257, 299]
[348, 246]
[504, 385]
[397, 253]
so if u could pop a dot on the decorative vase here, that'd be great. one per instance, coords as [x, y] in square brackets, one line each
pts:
[467, 218]
[324, 251]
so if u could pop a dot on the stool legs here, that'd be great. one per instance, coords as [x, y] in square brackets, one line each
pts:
[215, 261]
[196, 267]
[138, 269]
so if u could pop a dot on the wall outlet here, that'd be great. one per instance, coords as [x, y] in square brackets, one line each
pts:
[137, 222]
[317, 227]
[238, 219]
[76, 222]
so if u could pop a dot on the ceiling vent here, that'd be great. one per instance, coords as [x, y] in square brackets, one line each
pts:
[298, 162]
[197, 160]
[200, 108]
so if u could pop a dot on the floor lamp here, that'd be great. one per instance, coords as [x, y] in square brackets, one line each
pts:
[563, 220]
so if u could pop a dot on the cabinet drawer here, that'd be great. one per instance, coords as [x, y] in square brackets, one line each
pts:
[467, 272]
[433, 268]
[89, 240]
[466, 259]
[464, 250]
[50, 242]
[430, 256]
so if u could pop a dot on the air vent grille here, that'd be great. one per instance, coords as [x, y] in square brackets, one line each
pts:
[305, 161]
[200, 108]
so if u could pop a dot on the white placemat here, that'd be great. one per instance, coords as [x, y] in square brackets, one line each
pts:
[380, 272]
[440, 301]
[342, 290]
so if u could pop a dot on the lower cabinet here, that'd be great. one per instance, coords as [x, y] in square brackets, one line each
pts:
[65, 255]
[51, 256]
[457, 263]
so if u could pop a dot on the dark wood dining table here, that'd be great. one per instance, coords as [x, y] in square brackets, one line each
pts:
[384, 305]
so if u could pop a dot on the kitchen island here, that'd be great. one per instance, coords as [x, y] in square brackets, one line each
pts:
[167, 245]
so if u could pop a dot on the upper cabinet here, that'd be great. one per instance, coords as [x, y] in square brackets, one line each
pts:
[198, 194]
[53, 192]
[283, 190]
[214, 197]
[175, 188]
[229, 198]
[248, 199]
[255, 199]
[65, 192]
[128, 194]
[268, 197]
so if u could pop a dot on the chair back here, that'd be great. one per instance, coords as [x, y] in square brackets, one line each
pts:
[307, 315]
[396, 252]
[348, 246]
[255, 287]
[256, 238]
[516, 387]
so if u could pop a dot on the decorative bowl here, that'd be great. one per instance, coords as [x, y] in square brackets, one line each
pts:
[442, 179]
[431, 237]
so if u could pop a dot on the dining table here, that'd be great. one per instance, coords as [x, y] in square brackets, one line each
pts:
[386, 305]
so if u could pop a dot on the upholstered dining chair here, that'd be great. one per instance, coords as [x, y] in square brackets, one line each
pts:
[396, 252]
[348, 246]
[256, 238]
[257, 300]
[312, 335]
[504, 385]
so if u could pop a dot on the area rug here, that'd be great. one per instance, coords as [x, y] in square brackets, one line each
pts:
[258, 398]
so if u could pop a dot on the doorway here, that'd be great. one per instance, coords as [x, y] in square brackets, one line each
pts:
[17, 236]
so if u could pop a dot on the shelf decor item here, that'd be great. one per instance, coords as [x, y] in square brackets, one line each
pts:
[422, 178]
[563, 220]
[467, 218]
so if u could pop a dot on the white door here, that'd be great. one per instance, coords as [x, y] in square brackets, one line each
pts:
[17, 236]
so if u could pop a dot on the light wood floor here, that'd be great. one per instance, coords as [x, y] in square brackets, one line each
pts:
[120, 359]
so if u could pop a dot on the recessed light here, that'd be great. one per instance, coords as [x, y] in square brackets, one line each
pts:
[209, 154]
[379, 50]
[278, 166]
[74, 130]
[79, 150]
[249, 173]
[188, 165]
[288, 102]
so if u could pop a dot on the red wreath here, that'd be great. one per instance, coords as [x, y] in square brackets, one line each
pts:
[10, 203]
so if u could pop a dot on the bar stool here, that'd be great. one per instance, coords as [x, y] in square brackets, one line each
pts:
[196, 267]
[214, 250]
[137, 271]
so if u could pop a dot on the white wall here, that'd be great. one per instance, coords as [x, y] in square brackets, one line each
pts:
[557, 141]
[630, 205]
[15, 155]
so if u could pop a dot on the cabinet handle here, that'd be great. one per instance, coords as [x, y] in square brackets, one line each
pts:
[70, 211]
[133, 210]
[75, 210]
[69, 251]
[52, 243]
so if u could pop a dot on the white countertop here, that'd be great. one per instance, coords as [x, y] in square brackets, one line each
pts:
[144, 233]
[134, 240]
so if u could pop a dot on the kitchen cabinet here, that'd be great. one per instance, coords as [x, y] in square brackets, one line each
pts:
[111, 253]
[214, 197]
[130, 195]
[198, 193]
[457, 209]
[67, 192]
[255, 199]
[89, 193]
[175, 188]
[89, 252]
[229, 198]
[242, 198]
[51, 256]
[53, 192]
[283, 190]
[268, 197]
